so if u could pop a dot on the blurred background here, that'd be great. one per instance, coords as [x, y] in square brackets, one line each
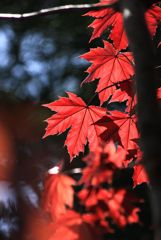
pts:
[39, 60]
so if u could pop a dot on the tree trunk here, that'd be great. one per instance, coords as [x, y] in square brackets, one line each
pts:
[149, 120]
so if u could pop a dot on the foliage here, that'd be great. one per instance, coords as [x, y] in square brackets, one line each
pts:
[99, 203]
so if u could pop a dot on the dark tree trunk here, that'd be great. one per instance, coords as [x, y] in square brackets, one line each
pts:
[149, 121]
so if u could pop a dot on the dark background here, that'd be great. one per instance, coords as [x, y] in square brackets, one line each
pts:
[39, 60]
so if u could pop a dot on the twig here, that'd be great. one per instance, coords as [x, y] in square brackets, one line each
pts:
[54, 10]
[73, 171]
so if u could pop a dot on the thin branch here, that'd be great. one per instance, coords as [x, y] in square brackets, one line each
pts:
[73, 171]
[158, 67]
[54, 10]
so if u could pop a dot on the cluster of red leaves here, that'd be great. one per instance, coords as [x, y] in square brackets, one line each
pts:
[98, 195]
[113, 66]
[57, 219]
[103, 206]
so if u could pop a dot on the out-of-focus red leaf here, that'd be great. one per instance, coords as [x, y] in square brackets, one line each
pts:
[159, 93]
[73, 226]
[38, 227]
[120, 209]
[58, 194]
[112, 204]
[102, 163]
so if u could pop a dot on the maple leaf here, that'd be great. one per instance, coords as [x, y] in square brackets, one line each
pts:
[109, 66]
[139, 175]
[106, 18]
[58, 193]
[120, 127]
[73, 113]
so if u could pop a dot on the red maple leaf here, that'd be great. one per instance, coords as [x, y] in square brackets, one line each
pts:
[73, 113]
[109, 66]
[120, 127]
[139, 175]
[58, 193]
[111, 18]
